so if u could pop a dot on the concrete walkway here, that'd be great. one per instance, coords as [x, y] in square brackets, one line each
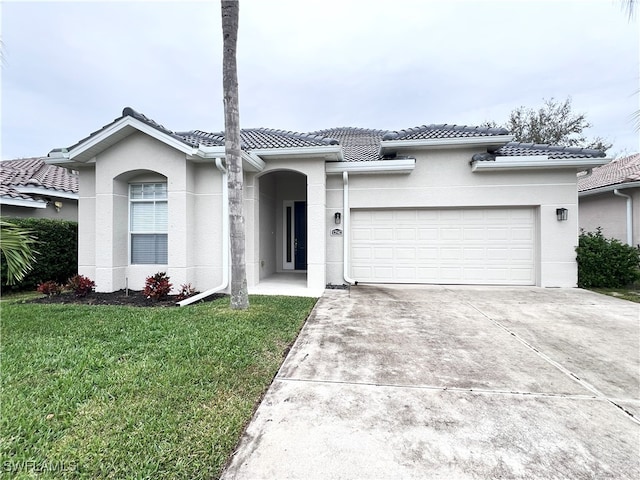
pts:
[453, 382]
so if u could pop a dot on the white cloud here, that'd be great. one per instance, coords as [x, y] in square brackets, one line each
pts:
[71, 67]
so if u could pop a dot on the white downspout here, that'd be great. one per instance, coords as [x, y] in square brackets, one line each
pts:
[629, 215]
[346, 214]
[225, 242]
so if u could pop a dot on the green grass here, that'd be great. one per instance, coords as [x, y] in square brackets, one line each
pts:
[18, 296]
[130, 392]
[632, 294]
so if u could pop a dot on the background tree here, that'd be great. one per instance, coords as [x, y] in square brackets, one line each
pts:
[239, 292]
[553, 123]
[630, 9]
[16, 246]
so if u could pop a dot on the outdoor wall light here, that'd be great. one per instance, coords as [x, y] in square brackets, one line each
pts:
[561, 214]
[337, 218]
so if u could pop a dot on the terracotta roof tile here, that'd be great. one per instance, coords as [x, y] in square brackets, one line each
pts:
[620, 170]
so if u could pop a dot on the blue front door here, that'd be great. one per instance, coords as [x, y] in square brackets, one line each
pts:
[300, 235]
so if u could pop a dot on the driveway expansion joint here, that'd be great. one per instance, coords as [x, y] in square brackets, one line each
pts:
[557, 365]
[485, 391]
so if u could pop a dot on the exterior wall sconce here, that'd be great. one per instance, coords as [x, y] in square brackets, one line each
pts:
[561, 214]
[58, 206]
[337, 218]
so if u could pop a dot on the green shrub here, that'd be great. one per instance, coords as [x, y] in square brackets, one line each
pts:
[57, 257]
[606, 262]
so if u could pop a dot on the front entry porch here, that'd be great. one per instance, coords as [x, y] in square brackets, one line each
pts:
[286, 209]
[292, 284]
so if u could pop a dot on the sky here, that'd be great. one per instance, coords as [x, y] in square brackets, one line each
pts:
[69, 68]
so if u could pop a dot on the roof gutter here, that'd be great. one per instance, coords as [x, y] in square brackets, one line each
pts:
[629, 215]
[225, 242]
[329, 152]
[456, 142]
[346, 261]
[406, 165]
[46, 191]
[250, 161]
[537, 162]
[609, 188]
[23, 202]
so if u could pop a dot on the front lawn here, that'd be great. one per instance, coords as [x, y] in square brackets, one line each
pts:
[130, 392]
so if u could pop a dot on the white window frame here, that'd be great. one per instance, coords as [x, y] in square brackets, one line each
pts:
[131, 232]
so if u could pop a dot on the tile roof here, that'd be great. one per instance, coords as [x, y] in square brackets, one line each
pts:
[358, 144]
[515, 149]
[621, 170]
[443, 130]
[33, 172]
[258, 138]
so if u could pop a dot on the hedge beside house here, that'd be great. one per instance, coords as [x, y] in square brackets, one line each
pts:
[57, 247]
[606, 262]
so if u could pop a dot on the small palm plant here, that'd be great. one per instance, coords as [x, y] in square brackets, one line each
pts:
[16, 246]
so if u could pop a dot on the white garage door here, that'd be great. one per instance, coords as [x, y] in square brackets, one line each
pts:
[493, 246]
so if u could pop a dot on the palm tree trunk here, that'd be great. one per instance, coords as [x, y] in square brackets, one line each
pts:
[239, 293]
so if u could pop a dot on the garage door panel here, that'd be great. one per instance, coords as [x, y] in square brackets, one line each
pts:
[474, 254]
[476, 233]
[427, 253]
[427, 233]
[383, 234]
[427, 274]
[364, 254]
[522, 254]
[362, 233]
[406, 234]
[474, 246]
[522, 274]
[499, 234]
[522, 233]
[383, 253]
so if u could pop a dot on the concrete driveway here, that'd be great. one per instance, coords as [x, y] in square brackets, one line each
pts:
[453, 382]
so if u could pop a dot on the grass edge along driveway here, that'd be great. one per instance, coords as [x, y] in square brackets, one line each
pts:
[125, 392]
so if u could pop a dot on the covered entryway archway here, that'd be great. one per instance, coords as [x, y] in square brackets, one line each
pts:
[283, 224]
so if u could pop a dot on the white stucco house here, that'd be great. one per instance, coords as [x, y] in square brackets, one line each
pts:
[609, 198]
[438, 204]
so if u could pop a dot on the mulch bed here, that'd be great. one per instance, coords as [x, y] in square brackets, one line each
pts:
[134, 298]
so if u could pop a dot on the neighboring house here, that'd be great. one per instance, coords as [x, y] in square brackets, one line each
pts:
[29, 187]
[440, 204]
[609, 197]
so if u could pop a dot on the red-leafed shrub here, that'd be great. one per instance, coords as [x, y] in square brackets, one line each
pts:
[157, 286]
[49, 288]
[186, 291]
[81, 285]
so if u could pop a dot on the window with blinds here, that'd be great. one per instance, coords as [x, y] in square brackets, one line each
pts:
[148, 223]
